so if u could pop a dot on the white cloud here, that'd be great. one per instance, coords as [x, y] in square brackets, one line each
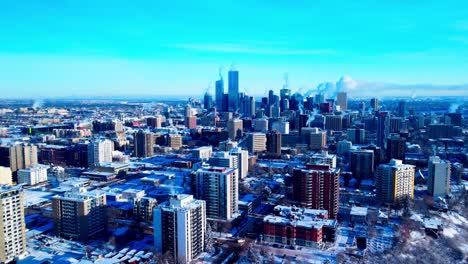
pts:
[250, 49]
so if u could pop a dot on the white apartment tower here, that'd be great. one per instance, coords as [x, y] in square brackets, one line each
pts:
[180, 227]
[12, 226]
[100, 150]
[439, 177]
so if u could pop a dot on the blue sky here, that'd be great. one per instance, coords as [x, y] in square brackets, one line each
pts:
[65, 48]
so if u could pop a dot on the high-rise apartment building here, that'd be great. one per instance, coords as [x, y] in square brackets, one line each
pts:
[362, 164]
[143, 144]
[99, 151]
[180, 228]
[18, 156]
[12, 226]
[33, 176]
[242, 161]
[438, 183]
[396, 148]
[143, 208]
[219, 188]
[79, 214]
[175, 141]
[6, 177]
[256, 142]
[317, 187]
[394, 181]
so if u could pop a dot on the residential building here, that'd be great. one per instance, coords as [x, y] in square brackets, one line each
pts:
[438, 183]
[99, 151]
[394, 181]
[219, 188]
[12, 225]
[180, 228]
[79, 214]
[33, 176]
[143, 144]
[317, 187]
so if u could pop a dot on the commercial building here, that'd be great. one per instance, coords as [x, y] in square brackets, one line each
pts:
[235, 128]
[334, 122]
[438, 183]
[317, 187]
[12, 225]
[274, 144]
[99, 151]
[233, 90]
[318, 139]
[383, 128]
[79, 214]
[356, 135]
[180, 228]
[219, 188]
[298, 226]
[394, 181]
[203, 153]
[342, 101]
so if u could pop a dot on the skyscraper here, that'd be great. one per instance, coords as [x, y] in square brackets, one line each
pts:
[79, 214]
[402, 108]
[342, 99]
[219, 188]
[317, 187]
[207, 101]
[219, 90]
[143, 144]
[180, 227]
[233, 90]
[383, 128]
[99, 150]
[438, 183]
[374, 104]
[394, 181]
[12, 226]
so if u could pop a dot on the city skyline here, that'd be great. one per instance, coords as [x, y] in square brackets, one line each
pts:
[99, 49]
